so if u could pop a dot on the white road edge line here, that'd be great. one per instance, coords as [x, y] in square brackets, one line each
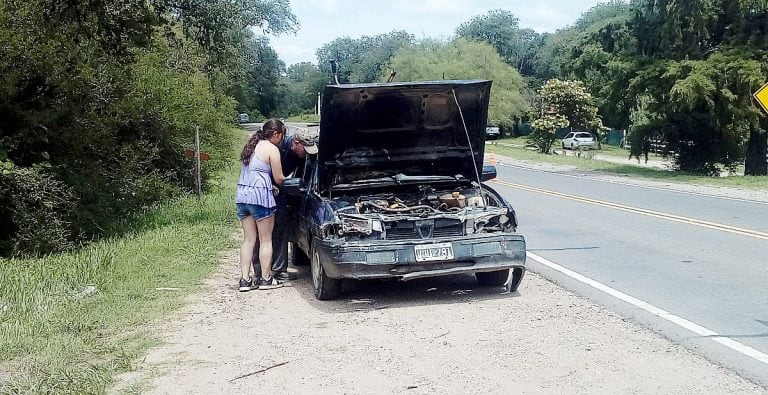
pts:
[682, 322]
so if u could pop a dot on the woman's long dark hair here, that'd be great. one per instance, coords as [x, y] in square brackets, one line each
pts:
[270, 127]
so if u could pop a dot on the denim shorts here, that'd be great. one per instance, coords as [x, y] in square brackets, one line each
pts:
[254, 210]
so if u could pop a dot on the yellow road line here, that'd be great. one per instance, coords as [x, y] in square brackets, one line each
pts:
[650, 213]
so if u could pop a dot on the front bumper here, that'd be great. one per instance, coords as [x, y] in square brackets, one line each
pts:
[397, 259]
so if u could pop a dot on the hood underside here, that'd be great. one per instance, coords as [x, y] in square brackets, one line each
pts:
[370, 131]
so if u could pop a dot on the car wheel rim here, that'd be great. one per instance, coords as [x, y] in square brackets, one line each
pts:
[316, 270]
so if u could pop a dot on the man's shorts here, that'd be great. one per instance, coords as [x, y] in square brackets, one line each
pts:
[254, 210]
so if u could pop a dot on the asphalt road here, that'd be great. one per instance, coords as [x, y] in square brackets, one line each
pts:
[692, 266]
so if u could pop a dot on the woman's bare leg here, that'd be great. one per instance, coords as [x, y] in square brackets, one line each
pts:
[250, 235]
[265, 227]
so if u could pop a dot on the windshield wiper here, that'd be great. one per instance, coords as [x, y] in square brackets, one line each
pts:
[399, 178]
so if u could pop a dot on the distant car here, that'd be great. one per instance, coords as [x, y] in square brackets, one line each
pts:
[243, 118]
[492, 133]
[575, 140]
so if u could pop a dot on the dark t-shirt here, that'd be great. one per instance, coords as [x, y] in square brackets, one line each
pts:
[288, 159]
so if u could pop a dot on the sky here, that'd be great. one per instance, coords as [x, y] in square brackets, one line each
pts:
[322, 21]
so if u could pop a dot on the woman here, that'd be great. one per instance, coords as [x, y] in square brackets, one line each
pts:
[255, 201]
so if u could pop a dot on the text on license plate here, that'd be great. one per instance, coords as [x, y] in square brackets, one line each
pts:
[433, 252]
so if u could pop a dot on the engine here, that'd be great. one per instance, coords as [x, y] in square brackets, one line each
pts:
[397, 216]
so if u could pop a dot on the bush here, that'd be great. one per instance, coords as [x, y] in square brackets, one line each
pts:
[36, 210]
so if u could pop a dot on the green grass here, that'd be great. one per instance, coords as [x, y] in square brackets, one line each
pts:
[304, 118]
[515, 148]
[59, 338]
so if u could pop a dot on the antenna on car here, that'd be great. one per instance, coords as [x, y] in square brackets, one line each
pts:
[335, 70]
[469, 141]
[392, 76]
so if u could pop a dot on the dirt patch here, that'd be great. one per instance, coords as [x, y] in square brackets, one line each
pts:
[442, 335]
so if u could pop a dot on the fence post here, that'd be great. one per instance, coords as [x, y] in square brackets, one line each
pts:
[198, 167]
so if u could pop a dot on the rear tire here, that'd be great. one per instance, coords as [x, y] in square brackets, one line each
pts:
[326, 288]
[492, 279]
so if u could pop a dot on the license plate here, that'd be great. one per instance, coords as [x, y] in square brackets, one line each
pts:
[434, 252]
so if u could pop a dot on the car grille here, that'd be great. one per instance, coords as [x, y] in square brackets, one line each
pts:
[452, 230]
[423, 229]
[401, 234]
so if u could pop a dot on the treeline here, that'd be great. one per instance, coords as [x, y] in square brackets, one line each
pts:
[99, 100]
[678, 73]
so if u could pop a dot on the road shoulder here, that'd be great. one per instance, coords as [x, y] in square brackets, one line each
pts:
[443, 335]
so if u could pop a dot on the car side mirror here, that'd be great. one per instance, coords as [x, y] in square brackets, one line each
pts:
[489, 173]
[293, 186]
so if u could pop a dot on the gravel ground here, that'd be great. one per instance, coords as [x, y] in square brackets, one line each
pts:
[442, 335]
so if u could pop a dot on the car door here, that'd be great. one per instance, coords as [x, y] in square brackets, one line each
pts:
[306, 206]
[568, 139]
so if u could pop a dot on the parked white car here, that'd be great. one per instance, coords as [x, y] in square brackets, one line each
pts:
[492, 133]
[575, 140]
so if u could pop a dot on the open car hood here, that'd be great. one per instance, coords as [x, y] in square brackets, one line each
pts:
[370, 131]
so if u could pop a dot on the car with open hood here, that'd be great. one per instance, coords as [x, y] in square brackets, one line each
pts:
[397, 189]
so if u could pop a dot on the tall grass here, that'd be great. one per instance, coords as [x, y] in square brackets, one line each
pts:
[70, 322]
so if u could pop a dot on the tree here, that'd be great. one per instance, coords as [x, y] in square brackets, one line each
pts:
[361, 60]
[545, 131]
[700, 66]
[564, 100]
[299, 89]
[679, 73]
[571, 100]
[593, 50]
[501, 29]
[99, 101]
[462, 59]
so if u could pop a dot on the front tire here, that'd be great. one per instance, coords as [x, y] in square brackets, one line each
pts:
[492, 279]
[326, 288]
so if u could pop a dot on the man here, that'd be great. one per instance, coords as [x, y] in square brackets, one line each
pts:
[293, 150]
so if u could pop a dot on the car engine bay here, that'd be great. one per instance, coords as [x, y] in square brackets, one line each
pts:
[419, 213]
